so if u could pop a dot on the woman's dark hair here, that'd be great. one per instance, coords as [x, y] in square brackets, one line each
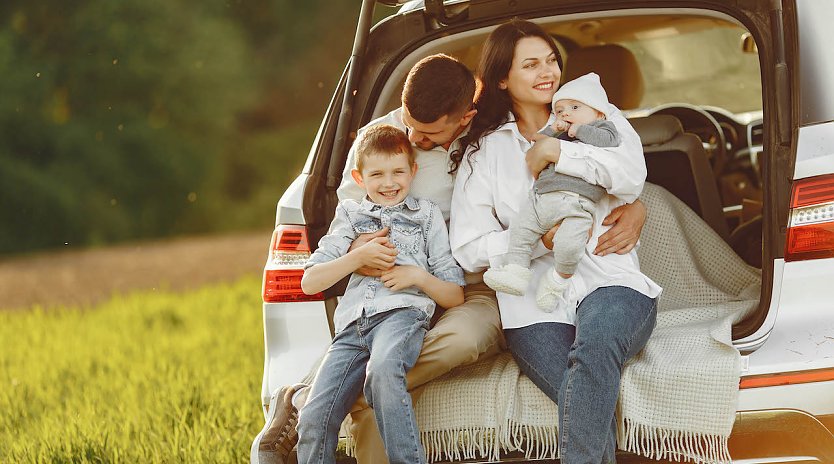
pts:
[493, 103]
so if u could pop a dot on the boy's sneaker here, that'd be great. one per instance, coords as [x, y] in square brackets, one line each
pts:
[509, 278]
[552, 292]
[279, 436]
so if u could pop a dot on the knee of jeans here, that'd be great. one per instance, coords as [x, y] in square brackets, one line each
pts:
[598, 347]
[385, 371]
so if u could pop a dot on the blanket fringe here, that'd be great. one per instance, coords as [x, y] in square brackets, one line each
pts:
[673, 445]
[541, 442]
[537, 442]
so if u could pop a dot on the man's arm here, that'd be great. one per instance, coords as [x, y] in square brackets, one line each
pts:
[392, 252]
[324, 275]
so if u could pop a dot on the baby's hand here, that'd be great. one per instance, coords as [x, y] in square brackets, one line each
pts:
[560, 126]
[573, 129]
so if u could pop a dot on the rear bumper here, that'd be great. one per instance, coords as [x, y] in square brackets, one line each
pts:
[296, 336]
[781, 436]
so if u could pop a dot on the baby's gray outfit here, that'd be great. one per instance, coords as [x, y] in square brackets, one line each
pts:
[561, 198]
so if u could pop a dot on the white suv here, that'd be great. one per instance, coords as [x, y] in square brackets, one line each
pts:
[752, 80]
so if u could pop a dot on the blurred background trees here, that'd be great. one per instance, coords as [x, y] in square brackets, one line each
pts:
[146, 118]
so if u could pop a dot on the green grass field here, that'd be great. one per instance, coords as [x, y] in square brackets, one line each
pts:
[148, 377]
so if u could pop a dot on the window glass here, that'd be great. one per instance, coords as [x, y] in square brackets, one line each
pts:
[705, 67]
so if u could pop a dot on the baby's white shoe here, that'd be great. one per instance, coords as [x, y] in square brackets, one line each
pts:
[552, 292]
[509, 278]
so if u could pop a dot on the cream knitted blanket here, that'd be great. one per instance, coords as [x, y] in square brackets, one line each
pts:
[677, 397]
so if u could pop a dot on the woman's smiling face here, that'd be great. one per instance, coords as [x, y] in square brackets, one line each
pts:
[534, 74]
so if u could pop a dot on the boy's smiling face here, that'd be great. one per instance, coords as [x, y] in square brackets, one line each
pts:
[386, 177]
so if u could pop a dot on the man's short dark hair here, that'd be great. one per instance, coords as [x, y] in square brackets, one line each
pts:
[436, 86]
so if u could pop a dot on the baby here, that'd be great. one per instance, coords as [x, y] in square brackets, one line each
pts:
[581, 108]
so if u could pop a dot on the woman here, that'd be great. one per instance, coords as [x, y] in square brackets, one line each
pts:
[574, 355]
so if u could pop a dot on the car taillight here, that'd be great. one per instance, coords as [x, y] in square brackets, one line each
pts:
[811, 226]
[288, 252]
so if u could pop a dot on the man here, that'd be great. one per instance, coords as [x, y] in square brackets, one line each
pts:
[436, 111]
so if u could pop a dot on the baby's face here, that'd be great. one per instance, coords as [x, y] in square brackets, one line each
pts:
[576, 112]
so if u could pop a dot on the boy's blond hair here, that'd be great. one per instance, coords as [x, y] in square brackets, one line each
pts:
[382, 139]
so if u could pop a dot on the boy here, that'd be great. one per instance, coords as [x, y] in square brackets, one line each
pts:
[580, 107]
[380, 321]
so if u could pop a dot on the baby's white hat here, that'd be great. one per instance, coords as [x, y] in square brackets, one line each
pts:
[586, 89]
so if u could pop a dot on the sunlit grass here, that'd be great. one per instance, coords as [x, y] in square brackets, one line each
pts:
[144, 378]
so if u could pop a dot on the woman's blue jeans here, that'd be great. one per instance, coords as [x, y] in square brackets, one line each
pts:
[372, 355]
[580, 367]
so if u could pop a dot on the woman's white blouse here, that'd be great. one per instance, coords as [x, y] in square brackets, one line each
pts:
[490, 190]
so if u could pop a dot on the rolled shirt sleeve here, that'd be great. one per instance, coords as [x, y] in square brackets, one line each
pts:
[441, 263]
[337, 242]
[621, 170]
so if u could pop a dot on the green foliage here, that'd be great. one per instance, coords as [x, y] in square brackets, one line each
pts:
[134, 119]
[148, 377]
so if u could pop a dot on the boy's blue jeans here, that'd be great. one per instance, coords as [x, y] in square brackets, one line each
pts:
[372, 355]
[580, 367]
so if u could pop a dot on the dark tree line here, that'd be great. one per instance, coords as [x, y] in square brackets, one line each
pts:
[147, 118]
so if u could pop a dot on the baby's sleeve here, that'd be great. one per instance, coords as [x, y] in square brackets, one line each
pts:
[599, 134]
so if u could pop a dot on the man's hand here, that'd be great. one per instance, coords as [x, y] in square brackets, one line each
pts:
[628, 222]
[544, 152]
[401, 277]
[365, 238]
[376, 254]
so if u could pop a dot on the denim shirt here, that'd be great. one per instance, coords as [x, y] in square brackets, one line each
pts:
[417, 230]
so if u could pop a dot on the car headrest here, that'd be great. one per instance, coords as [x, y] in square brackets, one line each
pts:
[617, 68]
[656, 129]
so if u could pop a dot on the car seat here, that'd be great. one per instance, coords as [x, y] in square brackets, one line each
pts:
[677, 161]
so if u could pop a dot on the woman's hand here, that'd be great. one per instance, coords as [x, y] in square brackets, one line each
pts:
[401, 277]
[365, 238]
[547, 239]
[544, 152]
[628, 222]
